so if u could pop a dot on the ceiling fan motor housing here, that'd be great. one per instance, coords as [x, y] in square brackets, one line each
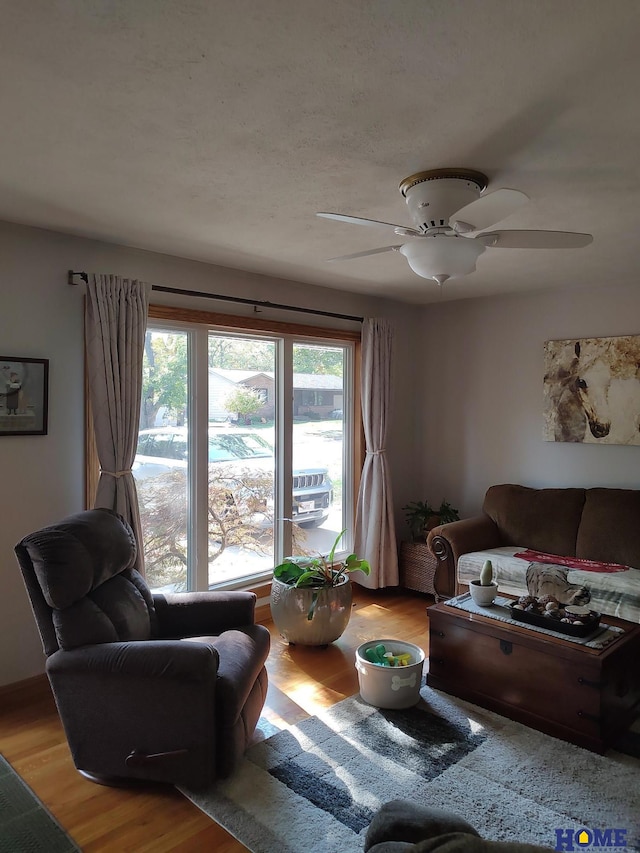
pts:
[433, 197]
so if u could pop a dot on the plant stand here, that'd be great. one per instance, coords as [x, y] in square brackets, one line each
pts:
[418, 568]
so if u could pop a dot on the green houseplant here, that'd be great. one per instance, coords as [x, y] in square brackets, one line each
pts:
[421, 517]
[311, 596]
[417, 565]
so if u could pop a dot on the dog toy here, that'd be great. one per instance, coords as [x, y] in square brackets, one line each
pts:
[380, 656]
[377, 655]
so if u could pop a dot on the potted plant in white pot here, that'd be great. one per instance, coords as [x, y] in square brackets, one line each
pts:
[484, 589]
[311, 596]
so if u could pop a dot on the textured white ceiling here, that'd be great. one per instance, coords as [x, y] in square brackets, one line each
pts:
[214, 129]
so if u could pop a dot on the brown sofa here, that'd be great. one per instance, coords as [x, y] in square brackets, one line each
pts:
[597, 524]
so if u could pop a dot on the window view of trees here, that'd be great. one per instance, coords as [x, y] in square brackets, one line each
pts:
[242, 519]
[236, 354]
[164, 375]
[165, 370]
[244, 402]
[239, 514]
[317, 360]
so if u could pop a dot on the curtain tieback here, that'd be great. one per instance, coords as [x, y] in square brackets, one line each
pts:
[116, 474]
[376, 452]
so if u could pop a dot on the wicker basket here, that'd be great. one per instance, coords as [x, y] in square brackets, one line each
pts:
[418, 568]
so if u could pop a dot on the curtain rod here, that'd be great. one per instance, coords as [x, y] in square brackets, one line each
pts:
[255, 302]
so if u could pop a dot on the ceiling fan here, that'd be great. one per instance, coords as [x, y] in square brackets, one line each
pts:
[448, 211]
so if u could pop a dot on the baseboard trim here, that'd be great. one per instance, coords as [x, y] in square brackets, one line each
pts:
[35, 684]
[263, 613]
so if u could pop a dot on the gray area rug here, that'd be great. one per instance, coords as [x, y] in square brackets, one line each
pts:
[317, 785]
[25, 824]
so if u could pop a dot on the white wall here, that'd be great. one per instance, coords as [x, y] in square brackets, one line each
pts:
[41, 317]
[481, 413]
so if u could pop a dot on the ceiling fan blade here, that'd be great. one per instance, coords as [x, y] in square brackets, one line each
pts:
[364, 254]
[487, 210]
[534, 239]
[358, 220]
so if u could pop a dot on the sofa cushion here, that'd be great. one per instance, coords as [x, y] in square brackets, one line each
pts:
[610, 525]
[542, 519]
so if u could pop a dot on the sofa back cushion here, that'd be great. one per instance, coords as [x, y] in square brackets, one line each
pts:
[542, 519]
[84, 571]
[610, 527]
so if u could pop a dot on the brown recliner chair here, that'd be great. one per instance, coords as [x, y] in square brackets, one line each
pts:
[148, 687]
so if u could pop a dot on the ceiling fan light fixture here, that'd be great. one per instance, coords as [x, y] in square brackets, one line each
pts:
[447, 206]
[442, 255]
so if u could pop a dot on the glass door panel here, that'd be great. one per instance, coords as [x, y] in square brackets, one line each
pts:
[241, 456]
[161, 465]
[318, 441]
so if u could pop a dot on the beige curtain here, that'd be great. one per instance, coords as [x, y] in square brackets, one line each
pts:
[375, 535]
[116, 320]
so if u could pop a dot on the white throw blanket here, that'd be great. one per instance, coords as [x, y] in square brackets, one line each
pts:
[616, 593]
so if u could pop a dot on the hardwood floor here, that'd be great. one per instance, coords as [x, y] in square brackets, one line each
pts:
[301, 681]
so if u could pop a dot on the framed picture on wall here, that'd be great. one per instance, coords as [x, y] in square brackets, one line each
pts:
[24, 395]
[592, 390]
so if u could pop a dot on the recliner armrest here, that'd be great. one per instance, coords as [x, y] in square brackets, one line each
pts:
[198, 614]
[168, 660]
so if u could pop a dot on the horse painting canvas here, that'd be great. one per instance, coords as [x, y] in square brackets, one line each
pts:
[592, 390]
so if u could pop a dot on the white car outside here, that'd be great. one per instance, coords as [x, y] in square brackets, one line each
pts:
[164, 449]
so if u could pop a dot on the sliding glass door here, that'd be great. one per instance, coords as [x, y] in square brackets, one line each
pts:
[244, 454]
[321, 455]
[241, 456]
[162, 463]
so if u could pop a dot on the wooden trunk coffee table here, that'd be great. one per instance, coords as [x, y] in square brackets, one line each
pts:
[582, 695]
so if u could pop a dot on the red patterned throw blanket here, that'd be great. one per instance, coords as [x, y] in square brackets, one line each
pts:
[571, 562]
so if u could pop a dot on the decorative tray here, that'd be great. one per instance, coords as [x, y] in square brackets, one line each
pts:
[591, 622]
